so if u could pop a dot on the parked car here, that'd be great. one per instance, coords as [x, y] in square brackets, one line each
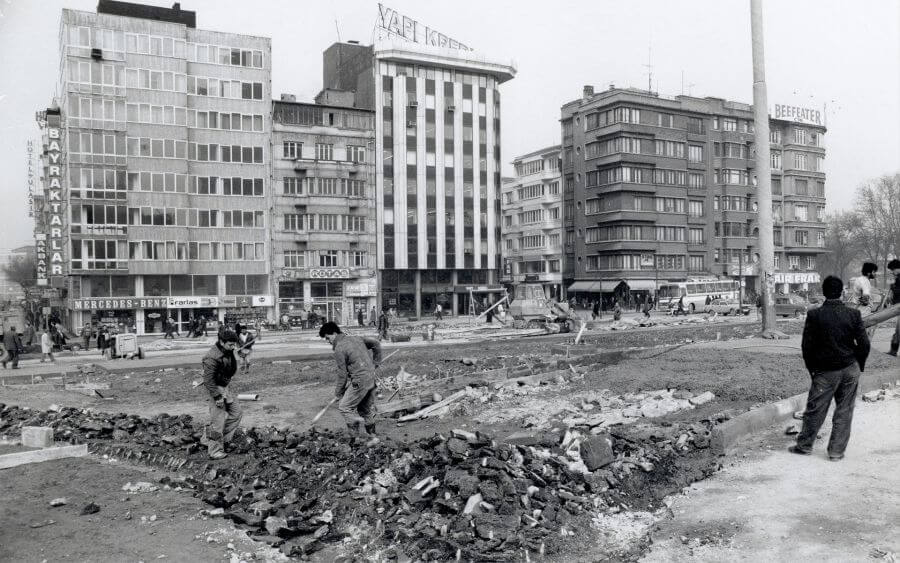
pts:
[726, 307]
[785, 306]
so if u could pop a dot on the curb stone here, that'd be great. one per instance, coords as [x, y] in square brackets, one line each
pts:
[725, 436]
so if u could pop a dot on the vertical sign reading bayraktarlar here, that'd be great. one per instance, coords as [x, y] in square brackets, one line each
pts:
[54, 202]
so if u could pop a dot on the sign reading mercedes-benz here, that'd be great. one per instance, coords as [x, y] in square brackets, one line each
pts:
[398, 25]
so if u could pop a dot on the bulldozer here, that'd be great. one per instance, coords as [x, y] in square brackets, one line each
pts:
[530, 308]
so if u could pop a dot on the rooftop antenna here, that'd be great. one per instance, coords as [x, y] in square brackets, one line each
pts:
[689, 85]
[338, 29]
[649, 66]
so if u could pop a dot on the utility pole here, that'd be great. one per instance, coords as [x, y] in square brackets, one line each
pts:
[764, 173]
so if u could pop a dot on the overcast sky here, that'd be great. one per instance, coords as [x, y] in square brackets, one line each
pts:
[845, 55]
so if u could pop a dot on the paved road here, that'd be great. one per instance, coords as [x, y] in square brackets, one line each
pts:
[776, 506]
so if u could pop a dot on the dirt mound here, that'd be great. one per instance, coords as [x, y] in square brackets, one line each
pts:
[459, 495]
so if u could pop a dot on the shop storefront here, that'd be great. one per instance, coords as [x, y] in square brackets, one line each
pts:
[329, 294]
[796, 282]
[126, 314]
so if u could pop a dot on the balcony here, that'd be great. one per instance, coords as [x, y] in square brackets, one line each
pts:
[622, 215]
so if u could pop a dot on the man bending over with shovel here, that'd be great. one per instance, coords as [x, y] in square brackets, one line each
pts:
[355, 386]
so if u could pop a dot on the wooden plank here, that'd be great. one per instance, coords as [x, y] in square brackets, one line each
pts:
[37, 456]
[428, 410]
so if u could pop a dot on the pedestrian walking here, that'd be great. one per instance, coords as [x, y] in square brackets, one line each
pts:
[46, 347]
[360, 317]
[595, 311]
[304, 318]
[617, 311]
[102, 340]
[373, 317]
[439, 312]
[86, 334]
[13, 345]
[245, 347]
[219, 367]
[383, 325]
[835, 347]
[169, 328]
[894, 268]
[28, 335]
[355, 386]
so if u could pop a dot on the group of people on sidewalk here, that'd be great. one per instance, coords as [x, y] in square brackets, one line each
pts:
[835, 348]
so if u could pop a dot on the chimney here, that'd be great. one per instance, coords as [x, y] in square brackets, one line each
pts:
[588, 91]
[612, 86]
[176, 6]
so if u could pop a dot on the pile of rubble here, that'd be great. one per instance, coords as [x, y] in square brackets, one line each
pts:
[463, 495]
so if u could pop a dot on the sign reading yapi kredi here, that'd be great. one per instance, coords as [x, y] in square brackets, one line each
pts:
[54, 202]
[798, 114]
[411, 30]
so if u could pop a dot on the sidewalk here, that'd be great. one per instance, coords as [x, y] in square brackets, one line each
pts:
[778, 506]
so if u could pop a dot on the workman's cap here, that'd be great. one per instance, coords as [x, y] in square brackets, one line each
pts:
[228, 335]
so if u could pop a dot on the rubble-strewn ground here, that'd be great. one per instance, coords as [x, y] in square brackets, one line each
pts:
[322, 493]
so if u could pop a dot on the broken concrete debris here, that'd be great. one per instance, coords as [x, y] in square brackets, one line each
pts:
[464, 494]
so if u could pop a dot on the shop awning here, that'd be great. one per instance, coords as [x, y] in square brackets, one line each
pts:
[641, 285]
[479, 289]
[584, 286]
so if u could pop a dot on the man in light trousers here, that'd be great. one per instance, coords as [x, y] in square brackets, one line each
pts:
[219, 366]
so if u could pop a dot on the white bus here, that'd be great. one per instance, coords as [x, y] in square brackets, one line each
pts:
[695, 293]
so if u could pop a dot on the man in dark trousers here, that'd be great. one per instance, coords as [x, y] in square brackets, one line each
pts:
[13, 345]
[219, 366]
[383, 325]
[835, 347]
[355, 386]
[894, 267]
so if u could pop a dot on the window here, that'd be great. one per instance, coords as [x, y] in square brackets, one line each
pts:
[820, 239]
[554, 213]
[292, 149]
[695, 236]
[695, 208]
[800, 161]
[553, 188]
[729, 124]
[800, 136]
[801, 187]
[801, 212]
[820, 163]
[533, 241]
[531, 192]
[356, 154]
[810, 262]
[801, 238]
[669, 205]
[293, 186]
[696, 181]
[294, 222]
[530, 217]
[695, 263]
[776, 160]
[794, 262]
[695, 153]
[775, 136]
[328, 258]
[324, 151]
[664, 148]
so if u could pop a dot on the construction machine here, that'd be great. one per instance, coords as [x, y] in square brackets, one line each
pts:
[530, 308]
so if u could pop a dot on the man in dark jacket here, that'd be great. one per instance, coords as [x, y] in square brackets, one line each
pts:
[383, 325]
[835, 347]
[355, 386]
[13, 345]
[894, 267]
[219, 366]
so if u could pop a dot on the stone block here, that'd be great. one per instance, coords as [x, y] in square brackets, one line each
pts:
[702, 398]
[37, 436]
[596, 451]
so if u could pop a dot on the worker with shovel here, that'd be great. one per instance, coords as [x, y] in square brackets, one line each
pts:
[355, 387]
[219, 366]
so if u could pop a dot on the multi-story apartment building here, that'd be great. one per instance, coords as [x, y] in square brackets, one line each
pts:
[531, 207]
[324, 212]
[437, 167]
[160, 167]
[661, 189]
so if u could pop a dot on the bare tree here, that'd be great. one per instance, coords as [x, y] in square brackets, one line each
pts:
[21, 269]
[841, 243]
[878, 208]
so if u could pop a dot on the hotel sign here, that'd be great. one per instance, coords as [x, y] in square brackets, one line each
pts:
[409, 29]
[798, 114]
[30, 176]
[54, 202]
